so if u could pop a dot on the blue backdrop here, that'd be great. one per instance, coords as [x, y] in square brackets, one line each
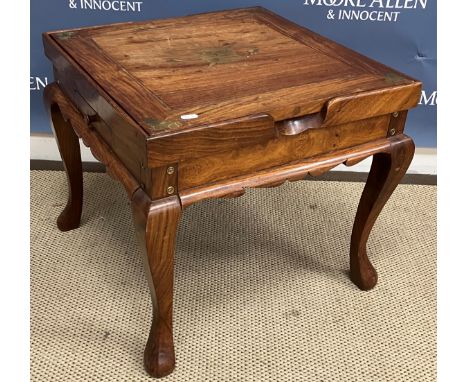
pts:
[399, 33]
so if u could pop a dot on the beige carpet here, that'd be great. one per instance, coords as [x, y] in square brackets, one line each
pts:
[261, 287]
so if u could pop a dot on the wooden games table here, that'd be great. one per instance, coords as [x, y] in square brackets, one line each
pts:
[205, 106]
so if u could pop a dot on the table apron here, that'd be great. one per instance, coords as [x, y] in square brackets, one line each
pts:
[273, 177]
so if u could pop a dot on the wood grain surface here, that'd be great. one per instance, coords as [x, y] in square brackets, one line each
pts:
[250, 159]
[205, 106]
[298, 170]
[71, 125]
[387, 169]
[62, 115]
[156, 225]
[228, 65]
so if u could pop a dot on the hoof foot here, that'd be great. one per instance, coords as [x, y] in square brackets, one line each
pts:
[64, 223]
[364, 277]
[159, 353]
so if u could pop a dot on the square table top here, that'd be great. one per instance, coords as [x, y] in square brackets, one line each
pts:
[176, 74]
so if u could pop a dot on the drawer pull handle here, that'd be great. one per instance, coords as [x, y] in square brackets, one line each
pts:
[296, 126]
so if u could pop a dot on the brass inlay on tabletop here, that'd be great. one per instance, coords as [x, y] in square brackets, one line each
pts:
[394, 78]
[158, 125]
[64, 35]
[225, 54]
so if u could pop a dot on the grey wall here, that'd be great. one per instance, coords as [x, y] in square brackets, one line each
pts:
[399, 33]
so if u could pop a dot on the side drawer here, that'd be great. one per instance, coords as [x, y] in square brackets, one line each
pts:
[282, 150]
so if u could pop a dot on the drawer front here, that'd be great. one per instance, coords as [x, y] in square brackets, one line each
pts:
[125, 138]
[210, 140]
[282, 150]
[127, 143]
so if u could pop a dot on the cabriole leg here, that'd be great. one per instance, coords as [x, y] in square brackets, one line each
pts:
[386, 172]
[69, 147]
[156, 224]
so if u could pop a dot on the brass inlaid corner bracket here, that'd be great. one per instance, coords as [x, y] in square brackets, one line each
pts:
[64, 35]
[393, 78]
[158, 125]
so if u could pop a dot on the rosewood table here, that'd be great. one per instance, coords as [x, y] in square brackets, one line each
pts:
[204, 106]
